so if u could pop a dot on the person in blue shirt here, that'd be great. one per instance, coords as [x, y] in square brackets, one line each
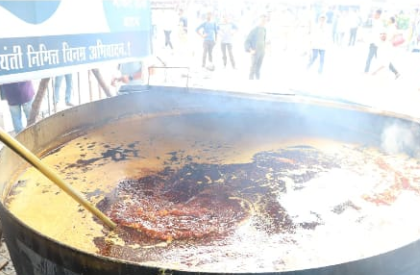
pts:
[208, 31]
[183, 21]
[255, 44]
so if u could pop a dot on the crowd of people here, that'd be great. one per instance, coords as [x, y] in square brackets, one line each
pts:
[316, 30]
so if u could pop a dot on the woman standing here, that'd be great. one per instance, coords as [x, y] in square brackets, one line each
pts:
[208, 31]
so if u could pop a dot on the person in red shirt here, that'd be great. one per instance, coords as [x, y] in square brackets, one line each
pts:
[19, 96]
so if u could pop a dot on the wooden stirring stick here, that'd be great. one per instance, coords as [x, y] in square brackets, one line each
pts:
[27, 155]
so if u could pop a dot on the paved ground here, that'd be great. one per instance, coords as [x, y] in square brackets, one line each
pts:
[6, 265]
[285, 72]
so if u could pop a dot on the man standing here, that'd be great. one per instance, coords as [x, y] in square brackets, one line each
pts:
[377, 32]
[170, 22]
[320, 40]
[354, 22]
[377, 26]
[255, 45]
[183, 48]
[183, 21]
[19, 96]
[208, 31]
[386, 53]
[226, 31]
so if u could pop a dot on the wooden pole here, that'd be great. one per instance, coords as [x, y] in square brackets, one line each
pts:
[78, 88]
[90, 86]
[102, 82]
[99, 91]
[31, 158]
[36, 105]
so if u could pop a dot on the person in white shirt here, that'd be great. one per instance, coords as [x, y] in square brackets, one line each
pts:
[386, 56]
[392, 30]
[320, 40]
[227, 31]
[377, 26]
[354, 23]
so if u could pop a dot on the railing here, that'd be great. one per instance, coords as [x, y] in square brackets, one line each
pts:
[166, 68]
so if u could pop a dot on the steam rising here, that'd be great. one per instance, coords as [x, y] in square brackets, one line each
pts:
[399, 138]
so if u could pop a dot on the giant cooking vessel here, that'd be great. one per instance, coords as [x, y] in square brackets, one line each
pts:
[34, 253]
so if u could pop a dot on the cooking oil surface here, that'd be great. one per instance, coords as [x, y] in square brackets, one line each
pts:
[263, 199]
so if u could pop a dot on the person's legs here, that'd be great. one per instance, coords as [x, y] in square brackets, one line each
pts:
[232, 60]
[372, 53]
[352, 38]
[355, 36]
[394, 70]
[224, 46]
[253, 69]
[57, 85]
[69, 88]
[334, 35]
[313, 58]
[211, 46]
[16, 113]
[259, 61]
[27, 107]
[321, 61]
[205, 51]
[341, 38]
[166, 38]
[169, 40]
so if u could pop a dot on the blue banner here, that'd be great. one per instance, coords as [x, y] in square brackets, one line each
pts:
[42, 38]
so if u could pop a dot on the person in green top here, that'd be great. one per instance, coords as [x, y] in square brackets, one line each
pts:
[255, 45]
